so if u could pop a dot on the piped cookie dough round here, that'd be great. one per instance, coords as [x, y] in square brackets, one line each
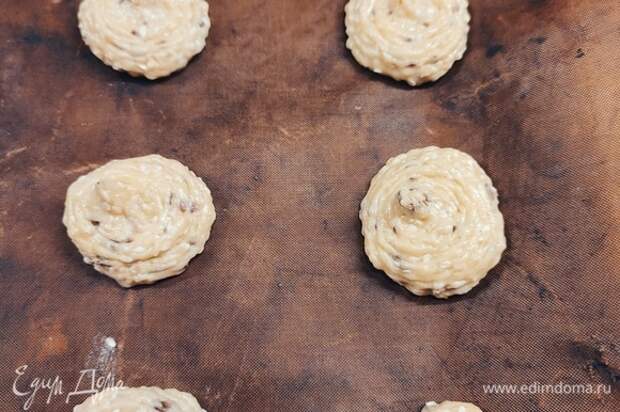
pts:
[139, 220]
[417, 41]
[431, 222]
[150, 38]
[145, 399]
[449, 406]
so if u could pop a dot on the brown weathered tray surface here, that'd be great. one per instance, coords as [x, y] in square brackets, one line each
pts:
[283, 312]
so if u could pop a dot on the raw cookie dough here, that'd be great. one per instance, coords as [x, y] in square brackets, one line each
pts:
[152, 38]
[417, 41]
[431, 222]
[449, 406]
[139, 220]
[140, 400]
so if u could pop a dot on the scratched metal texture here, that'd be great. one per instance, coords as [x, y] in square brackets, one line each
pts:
[283, 312]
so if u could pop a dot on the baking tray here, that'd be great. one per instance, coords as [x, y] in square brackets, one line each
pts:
[283, 312]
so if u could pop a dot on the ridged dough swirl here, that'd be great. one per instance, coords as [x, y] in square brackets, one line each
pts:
[431, 222]
[144, 399]
[139, 220]
[412, 40]
[152, 38]
[450, 406]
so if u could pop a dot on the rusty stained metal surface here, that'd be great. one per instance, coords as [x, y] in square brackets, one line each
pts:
[283, 312]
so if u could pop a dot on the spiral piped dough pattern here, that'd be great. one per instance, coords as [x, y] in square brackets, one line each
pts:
[449, 406]
[139, 220]
[431, 222]
[412, 40]
[152, 38]
[144, 399]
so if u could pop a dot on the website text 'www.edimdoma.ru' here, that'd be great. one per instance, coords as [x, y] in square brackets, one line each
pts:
[536, 388]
